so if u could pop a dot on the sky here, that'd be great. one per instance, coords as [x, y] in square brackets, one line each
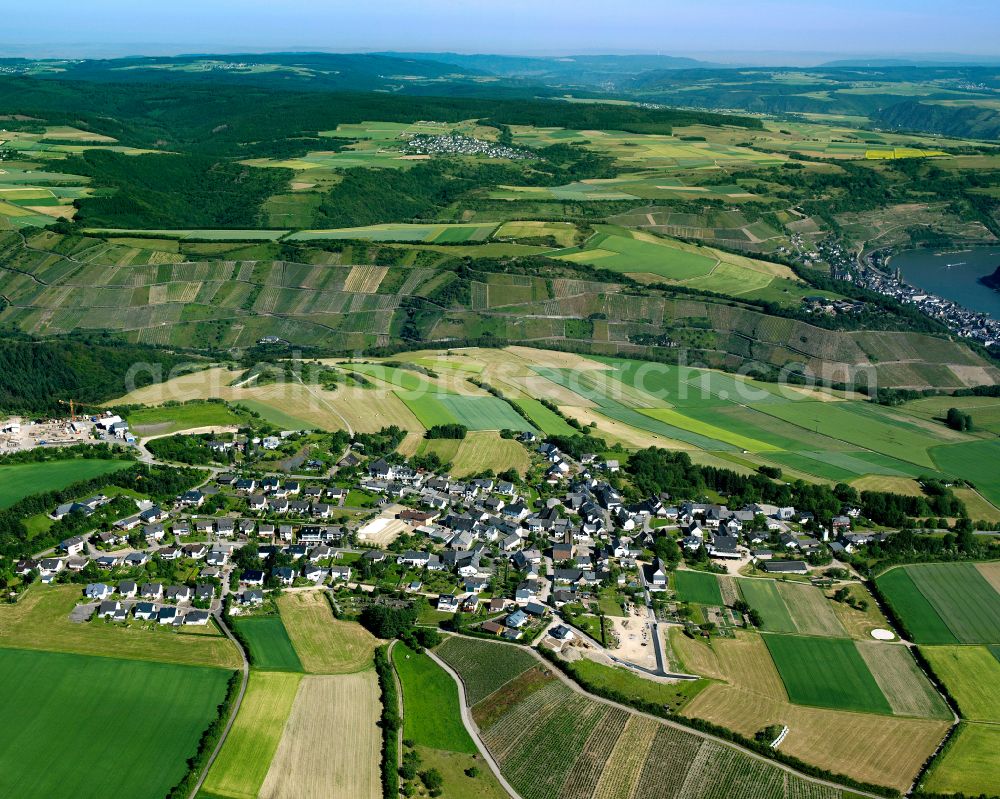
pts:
[766, 31]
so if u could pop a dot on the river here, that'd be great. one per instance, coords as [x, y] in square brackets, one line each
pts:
[953, 274]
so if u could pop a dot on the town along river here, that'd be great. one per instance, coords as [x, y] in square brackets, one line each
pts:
[954, 275]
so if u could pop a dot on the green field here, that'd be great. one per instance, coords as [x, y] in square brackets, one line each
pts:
[242, 765]
[476, 413]
[671, 695]
[969, 764]
[972, 676]
[974, 461]
[21, 480]
[826, 672]
[699, 587]
[544, 419]
[163, 419]
[431, 714]
[617, 251]
[279, 418]
[402, 379]
[944, 603]
[763, 596]
[270, 647]
[99, 726]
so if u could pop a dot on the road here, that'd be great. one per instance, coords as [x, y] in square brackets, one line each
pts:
[654, 625]
[470, 725]
[239, 697]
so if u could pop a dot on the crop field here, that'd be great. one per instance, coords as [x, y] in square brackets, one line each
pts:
[481, 451]
[342, 710]
[764, 597]
[476, 413]
[157, 712]
[431, 715]
[811, 612]
[402, 380]
[699, 587]
[972, 676]
[551, 741]
[974, 462]
[944, 603]
[40, 620]
[325, 645]
[969, 764]
[243, 763]
[270, 647]
[750, 694]
[618, 251]
[562, 232]
[427, 234]
[826, 672]
[20, 480]
[545, 420]
[484, 666]
[906, 688]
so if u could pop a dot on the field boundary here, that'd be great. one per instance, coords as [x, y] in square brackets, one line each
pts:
[245, 670]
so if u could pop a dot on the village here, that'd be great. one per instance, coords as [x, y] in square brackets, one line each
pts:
[511, 560]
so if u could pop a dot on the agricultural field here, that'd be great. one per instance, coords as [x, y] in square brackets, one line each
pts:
[972, 676]
[245, 758]
[699, 587]
[324, 645]
[270, 647]
[563, 233]
[826, 672]
[40, 621]
[944, 603]
[787, 607]
[968, 764]
[21, 480]
[424, 234]
[484, 666]
[550, 423]
[431, 715]
[140, 720]
[748, 693]
[476, 413]
[344, 708]
[522, 718]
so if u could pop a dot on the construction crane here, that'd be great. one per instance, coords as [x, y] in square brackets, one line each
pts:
[72, 408]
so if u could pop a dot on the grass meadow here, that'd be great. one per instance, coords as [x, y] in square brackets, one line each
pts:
[21, 480]
[969, 764]
[699, 587]
[324, 645]
[270, 647]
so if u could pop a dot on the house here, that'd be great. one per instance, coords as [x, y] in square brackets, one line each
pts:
[342, 573]
[535, 609]
[151, 590]
[562, 633]
[476, 585]
[25, 566]
[204, 526]
[284, 575]
[73, 545]
[197, 617]
[448, 603]
[516, 620]
[167, 615]
[527, 591]
[414, 559]
[724, 546]
[252, 597]
[217, 557]
[195, 551]
[154, 533]
[658, 579]
[314, 573]
[137, 559]
[470, 604]
[252, 577]
[169, 553]
[98, 591]
[491, 627]
[785, 567]
[108, 562]
[145, 610]
[192, 499]
[127, 589]
[204, 592]
[226, 528]
[179, 593]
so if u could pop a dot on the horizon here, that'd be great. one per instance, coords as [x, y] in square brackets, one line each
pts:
[726, 32]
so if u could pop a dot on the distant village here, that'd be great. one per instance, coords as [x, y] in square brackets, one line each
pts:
[456, 144]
